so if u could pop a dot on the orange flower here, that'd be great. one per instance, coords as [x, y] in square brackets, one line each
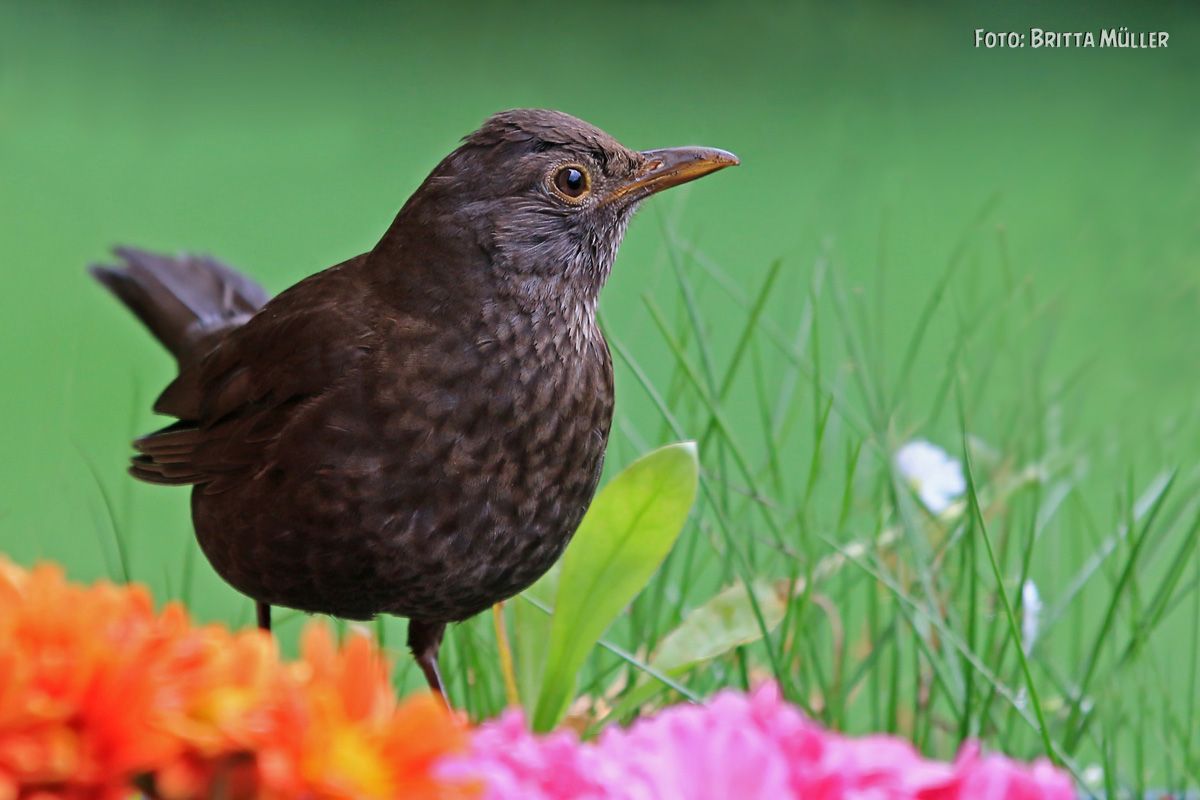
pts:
[75, 709]
[357, 742]
[97, 691]
[327, 726]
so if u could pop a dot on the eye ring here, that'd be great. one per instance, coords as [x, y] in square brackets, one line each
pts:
[571, 182]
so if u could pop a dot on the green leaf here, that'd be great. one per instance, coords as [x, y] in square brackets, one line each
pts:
[724, 622]
[623, 539]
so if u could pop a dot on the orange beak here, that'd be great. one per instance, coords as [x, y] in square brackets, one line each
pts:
[673, 166]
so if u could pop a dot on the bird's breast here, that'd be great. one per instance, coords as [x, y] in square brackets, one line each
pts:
[495, 451]
[446, 474]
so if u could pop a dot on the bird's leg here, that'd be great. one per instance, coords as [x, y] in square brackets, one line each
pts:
[264, 615]
[425, 639]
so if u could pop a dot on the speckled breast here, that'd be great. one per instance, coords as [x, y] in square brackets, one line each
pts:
[431, 498]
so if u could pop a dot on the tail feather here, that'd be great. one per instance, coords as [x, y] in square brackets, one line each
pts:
[147, 469]
[184, 300]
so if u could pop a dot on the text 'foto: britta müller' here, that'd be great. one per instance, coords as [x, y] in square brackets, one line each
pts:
[1035, 38]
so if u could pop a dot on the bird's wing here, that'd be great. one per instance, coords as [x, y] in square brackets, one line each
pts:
[233, 403]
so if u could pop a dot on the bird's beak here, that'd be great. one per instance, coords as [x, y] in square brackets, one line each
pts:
[672, 166]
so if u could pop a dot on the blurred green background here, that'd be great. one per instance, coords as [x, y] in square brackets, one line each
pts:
[283, 137]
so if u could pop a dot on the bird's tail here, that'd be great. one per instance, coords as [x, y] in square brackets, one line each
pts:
[186, 302]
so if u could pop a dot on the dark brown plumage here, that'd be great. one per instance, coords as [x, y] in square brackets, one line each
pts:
[417, 430]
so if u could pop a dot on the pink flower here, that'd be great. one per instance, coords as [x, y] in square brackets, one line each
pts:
[686, 753]
[994, 777]
[745, 746]
[513, 763]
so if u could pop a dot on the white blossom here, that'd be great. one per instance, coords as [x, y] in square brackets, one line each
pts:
[1031, 615]
[935, 476]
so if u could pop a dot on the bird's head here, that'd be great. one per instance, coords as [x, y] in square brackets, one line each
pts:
[547, 197]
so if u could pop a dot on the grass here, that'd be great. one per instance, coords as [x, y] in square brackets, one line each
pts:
[993, 251]
[919, 630]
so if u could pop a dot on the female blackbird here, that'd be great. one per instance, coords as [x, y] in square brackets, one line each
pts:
[417, 430]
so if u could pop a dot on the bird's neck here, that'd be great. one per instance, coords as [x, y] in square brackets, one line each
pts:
[423, 267]
[556, 307]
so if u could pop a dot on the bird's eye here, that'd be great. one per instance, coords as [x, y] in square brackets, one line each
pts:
[571, 182]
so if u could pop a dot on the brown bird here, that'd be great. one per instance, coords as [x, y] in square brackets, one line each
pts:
[417, 430]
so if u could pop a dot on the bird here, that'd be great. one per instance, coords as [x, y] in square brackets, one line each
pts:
[418, 430]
